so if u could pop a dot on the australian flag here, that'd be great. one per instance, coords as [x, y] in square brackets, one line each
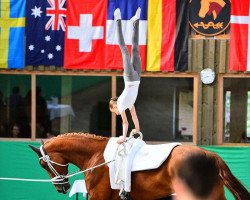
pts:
[45, 32]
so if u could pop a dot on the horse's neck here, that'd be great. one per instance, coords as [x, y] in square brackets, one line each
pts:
[81, 151]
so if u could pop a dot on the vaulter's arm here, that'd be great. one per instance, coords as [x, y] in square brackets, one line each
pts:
[135, 119]
[124, 127]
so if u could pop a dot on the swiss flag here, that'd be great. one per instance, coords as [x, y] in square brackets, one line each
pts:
[91, 42]
[239, 58]
[85, 34]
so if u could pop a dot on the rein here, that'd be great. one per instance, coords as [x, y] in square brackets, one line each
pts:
[58, 179]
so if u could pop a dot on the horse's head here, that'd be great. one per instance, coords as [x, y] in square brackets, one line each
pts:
[211, 7]
[204, 8]
[56, 167]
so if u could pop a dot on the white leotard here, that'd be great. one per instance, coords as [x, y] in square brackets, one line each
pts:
[128, 97]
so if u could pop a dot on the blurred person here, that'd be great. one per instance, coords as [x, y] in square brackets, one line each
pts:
[2, 102]
[197, 176]
[16, 131]
[17, 109]
[42, 115]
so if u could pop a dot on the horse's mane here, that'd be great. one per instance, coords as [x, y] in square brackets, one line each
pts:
[78, 135]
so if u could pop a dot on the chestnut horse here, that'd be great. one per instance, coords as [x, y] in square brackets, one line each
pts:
[86, 151]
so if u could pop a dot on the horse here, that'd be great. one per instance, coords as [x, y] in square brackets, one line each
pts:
[86, 151]
[211, 7]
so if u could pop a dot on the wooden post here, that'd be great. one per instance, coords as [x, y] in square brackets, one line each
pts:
[207, 100]
[197, 66]
[222, 52]
[220, 105]
[195, 108]
[33, 106]
[66, 89]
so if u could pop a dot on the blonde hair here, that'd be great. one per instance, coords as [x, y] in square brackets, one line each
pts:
[112, 102]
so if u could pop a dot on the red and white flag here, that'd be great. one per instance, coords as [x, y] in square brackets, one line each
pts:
[90, 41]
[239, 58]
[85, 33]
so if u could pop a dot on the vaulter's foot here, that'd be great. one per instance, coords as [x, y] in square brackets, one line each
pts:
[117, 14]
[137, 15]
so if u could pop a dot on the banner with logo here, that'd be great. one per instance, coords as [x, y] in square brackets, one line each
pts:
[239, 53]
[209, 17]
[90, 41]
[45, 32]
[168, 32]
[12, 23]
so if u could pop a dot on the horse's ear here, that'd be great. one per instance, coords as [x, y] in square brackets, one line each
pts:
[42, 142]
[36, 150]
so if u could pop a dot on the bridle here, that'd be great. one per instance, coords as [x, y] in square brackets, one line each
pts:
[59, 178]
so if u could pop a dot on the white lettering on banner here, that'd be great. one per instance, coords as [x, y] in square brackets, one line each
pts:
[85, 33]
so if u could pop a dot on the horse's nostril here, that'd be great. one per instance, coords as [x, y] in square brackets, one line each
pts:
[64, 192]
[66, 187]
[59, 190]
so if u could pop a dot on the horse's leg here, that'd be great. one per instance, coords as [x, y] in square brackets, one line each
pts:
[98, 185]
[151, 184]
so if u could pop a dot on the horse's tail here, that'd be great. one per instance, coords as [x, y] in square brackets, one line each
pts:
[231, 182]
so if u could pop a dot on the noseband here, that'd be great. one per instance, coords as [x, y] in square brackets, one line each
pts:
[58, 177]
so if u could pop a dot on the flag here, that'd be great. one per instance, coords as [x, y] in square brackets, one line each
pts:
[128, 8]
[239, 52]
[12, 23]
[45, 32]
[84, 42]
[168, 32]
[97, 48]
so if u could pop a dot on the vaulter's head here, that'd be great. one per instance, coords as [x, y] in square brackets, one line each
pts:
[113, 105]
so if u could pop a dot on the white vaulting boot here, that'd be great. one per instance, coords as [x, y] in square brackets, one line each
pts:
[117, 14]
[137, 15]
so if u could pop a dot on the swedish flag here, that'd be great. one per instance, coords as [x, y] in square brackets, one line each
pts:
[12, 23]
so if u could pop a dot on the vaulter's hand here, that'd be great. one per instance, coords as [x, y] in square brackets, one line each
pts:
[121, 140]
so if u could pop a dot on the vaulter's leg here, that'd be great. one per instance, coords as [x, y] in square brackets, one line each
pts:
[136, 59]
[128, 70]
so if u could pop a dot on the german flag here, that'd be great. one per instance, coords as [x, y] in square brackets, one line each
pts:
[168, 32]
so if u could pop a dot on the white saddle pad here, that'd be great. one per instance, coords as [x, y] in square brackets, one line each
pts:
[147, 157]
